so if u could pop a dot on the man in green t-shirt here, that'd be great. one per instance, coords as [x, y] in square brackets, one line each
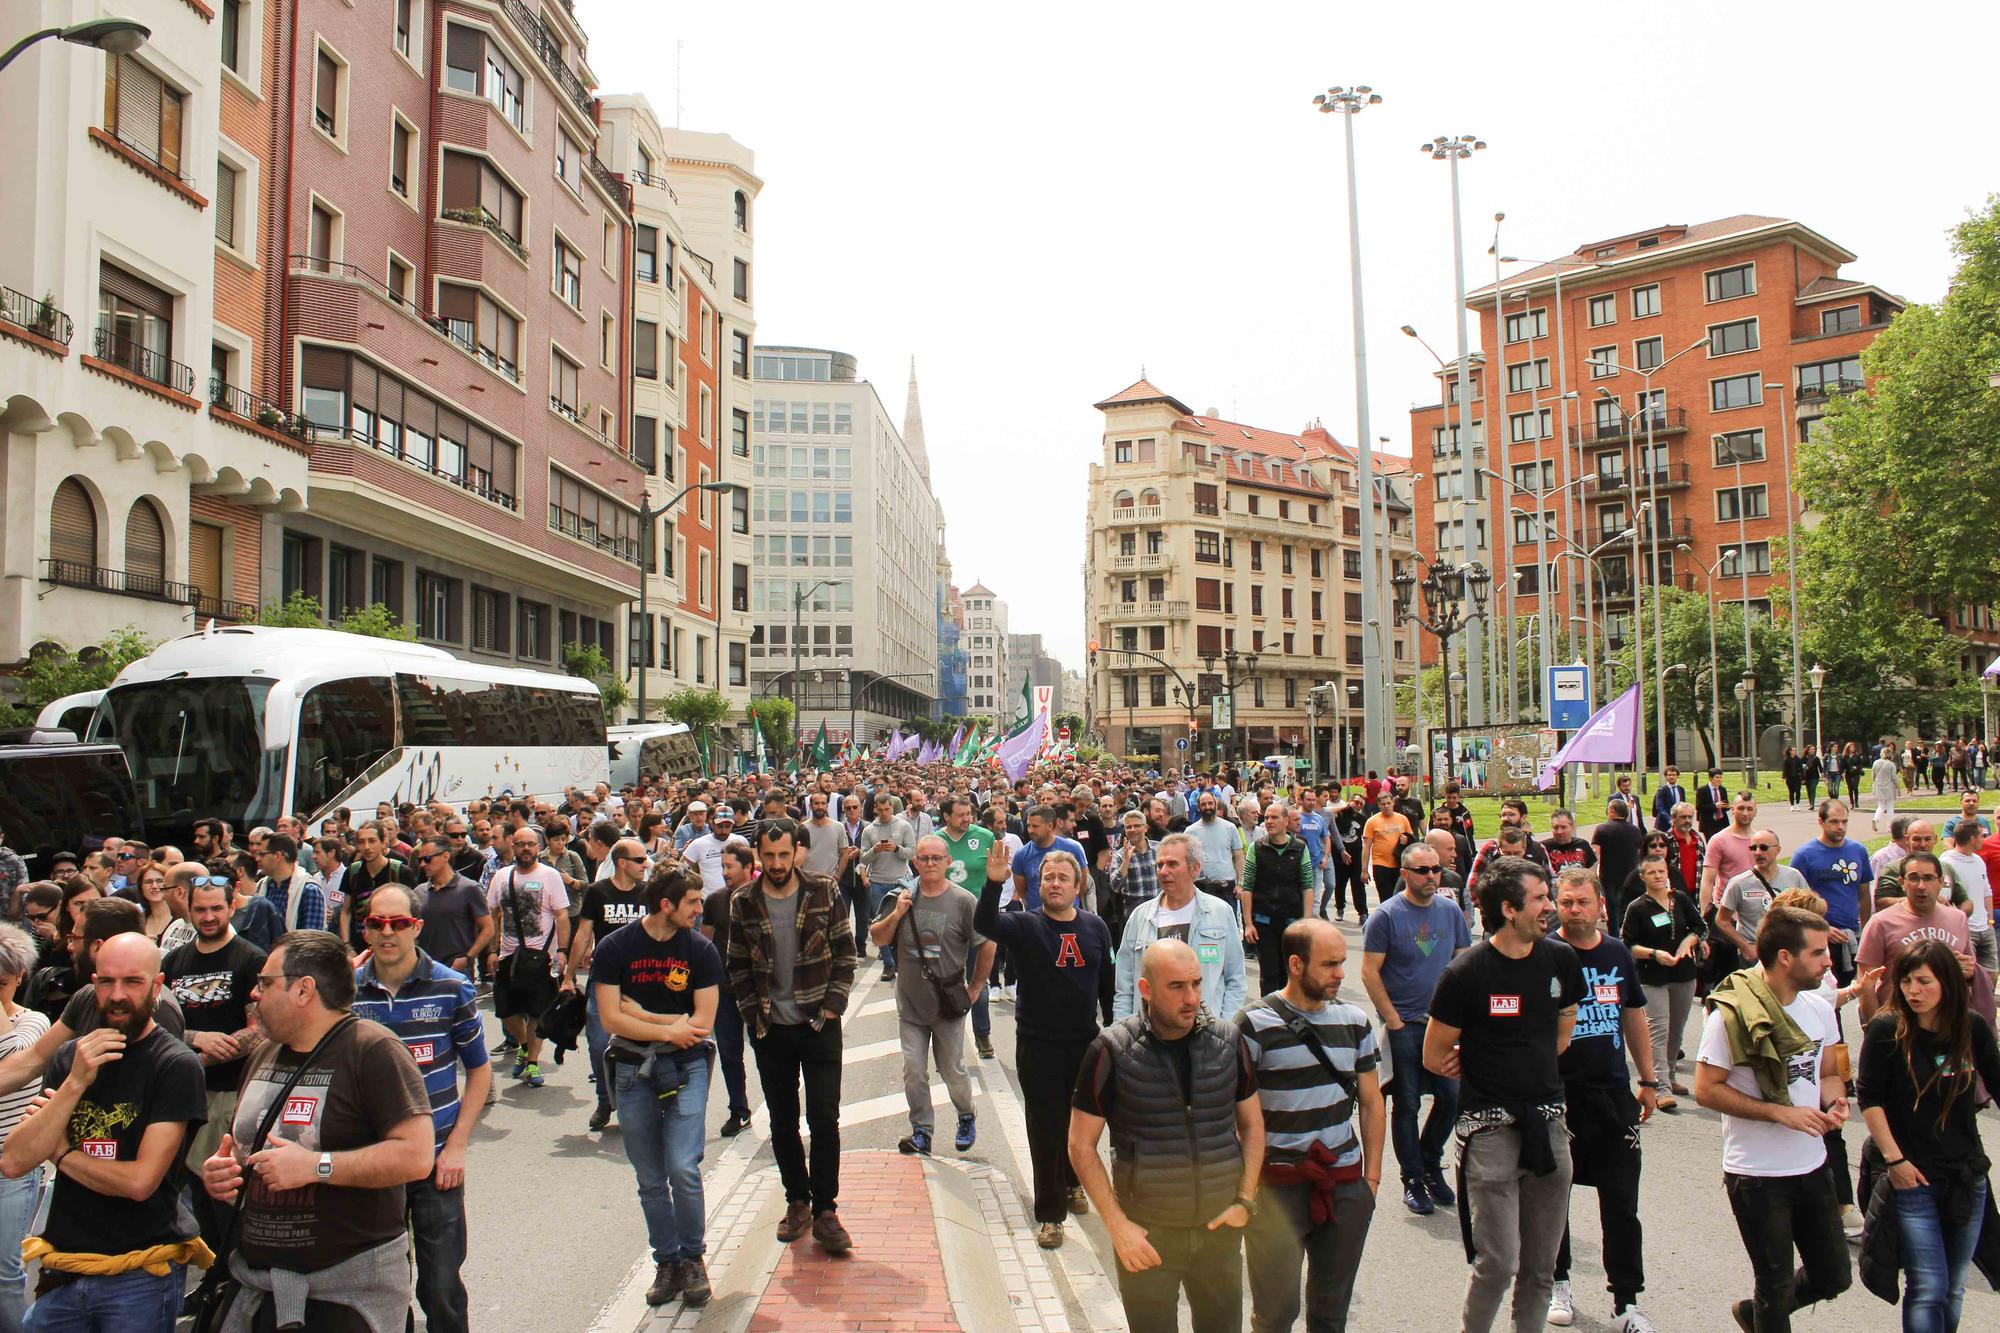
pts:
[968, 844]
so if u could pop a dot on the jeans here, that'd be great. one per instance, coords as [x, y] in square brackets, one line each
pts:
[1203, 1261]
[1986, 949]
[1667, 1005]
[1048, 1070]
[1935, 1256]
[1418, 1153]
[1281, 1240]
[1603, 1158]
[876, 892]
[788, 1054]
[1517, 1221]
[437, 1234]
[18, 1201]
[134, 1302]
[664, 1131]
[982, 1013]
[945, 1038]
[729, 1045]
[596, 1039]
[1774, 1214]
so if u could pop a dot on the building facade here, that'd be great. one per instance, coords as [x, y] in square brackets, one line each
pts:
[1223, 555]
[844, 549]
[1028, 662]
[988, 667]
[146, 471]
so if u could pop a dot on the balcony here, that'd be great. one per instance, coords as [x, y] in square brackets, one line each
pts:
[148, 587]
[459, 335]
[569, 414]
[479, 217]
[40, 318]
[1666, 421]
[608, 178]
[474, 480]
[144, 362]
[657, 183]
[1674, 530]
[1138, 564]
[1147, 611]
[241, 403]
[1620, 589]
[1814, 393]
[551, 52]
[1668, 476]
[1138, 514]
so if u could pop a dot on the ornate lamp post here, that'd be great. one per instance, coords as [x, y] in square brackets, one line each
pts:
[1818, 678]
[1446, 592]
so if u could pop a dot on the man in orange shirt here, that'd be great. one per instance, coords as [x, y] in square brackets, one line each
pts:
[1384, 835]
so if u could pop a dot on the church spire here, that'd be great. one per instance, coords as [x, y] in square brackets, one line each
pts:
[913, 428]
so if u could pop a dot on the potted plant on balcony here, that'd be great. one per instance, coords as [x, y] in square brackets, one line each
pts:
[45, 316]
[269, 417]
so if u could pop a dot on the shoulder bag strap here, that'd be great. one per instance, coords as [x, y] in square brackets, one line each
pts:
[1302, 1028]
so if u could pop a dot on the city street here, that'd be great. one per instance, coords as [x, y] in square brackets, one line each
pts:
[557, 1243]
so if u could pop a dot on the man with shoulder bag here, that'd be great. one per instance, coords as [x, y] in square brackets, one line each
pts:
[527, 898]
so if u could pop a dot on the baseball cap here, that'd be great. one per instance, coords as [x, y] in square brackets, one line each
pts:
[725, 814]
[697, 805]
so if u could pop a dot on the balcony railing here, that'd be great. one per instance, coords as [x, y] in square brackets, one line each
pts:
[570, 525]
[1667, 475]
[608, 178]
[461, 336]
[569, 414]
[339, 268]
[243, 403]
[551, 52]
[1148, 611]
[149, 587]
[479, 217]
[1813, 392]
[1663, 421]
[152, 159]
[657, 182]
[40, 318]
[476, 480]
[145, 362]
[1139, 561]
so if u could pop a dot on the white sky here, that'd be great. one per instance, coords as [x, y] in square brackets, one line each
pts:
[1037, 199]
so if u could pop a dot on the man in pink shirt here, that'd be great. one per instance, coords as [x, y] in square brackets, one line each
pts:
[1728, 852]
[1918, 915]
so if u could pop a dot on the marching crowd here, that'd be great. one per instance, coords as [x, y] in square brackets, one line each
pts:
[267, 1061]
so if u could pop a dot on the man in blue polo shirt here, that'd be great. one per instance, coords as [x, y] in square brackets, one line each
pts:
[1042, 839]
[436, 1013]
[1837, 868]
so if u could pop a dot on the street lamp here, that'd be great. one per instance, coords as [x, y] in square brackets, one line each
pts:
[1746, 690]
[114, 37]
[1231, 679]
[1349, 103]
[1714, 663]
[1454, 149]
[647, 513]
[1445, 590]
[1818, 674]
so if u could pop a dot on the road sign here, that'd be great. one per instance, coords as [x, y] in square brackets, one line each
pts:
[1181, 743]
[1062, 733]
[1221, 713]
[1569, 697]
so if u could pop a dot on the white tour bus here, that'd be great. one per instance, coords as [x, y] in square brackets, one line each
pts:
[649, 751]
[246, 723]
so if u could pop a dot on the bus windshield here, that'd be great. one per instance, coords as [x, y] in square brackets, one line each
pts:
[196, 747]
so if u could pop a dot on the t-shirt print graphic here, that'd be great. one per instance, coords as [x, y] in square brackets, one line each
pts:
[1426, 938]
[283, 1218]
[203, 991]
[1803, 1066]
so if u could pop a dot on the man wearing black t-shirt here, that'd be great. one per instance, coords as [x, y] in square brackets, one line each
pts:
[122, 1101]
[458, 922]
[608, 904]
[371, 866]
[739, 867]
[656, 983]
[1503, 1013]
[1563, 848]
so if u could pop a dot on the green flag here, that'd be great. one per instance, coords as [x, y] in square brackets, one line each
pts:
[822, 755]
[1027, 713]
[968, 750]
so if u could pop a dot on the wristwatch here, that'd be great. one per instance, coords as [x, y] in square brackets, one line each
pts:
[1247, 1205]
[326, 1166]
[1652, 1083]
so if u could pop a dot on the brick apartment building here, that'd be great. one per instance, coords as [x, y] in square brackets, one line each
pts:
[1746, 325]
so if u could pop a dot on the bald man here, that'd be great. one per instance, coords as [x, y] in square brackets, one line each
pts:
[1203, 1165]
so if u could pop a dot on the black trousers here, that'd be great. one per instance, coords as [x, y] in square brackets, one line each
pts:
[788, 1054]
[1208, 1264]
[1048, 1070]
[1271, 953]
[1777, 1214]
[1388, 879]
[1606, 1158]
[1346, 876]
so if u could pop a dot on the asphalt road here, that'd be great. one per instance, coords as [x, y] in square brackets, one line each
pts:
[555, 1231]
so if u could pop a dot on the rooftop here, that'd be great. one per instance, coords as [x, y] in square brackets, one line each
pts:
[1646, 247]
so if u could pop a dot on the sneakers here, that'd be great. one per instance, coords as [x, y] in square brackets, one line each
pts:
[1079, 1202]
[694, 1283]
[599, 1119]
[798, 1219]
[1049, 1235]
[735, 1125]
[1441, 1193]
[968, 1130]
[520, 1062]
[1562, 1309]
[1633, 1321]
[506, 1047]
[1417, 1198]
[829, 1235]
[985, 1047]
[1851, 1221]
[888, 973]
[667, 1279]
[916, 1143]
[531, 1074]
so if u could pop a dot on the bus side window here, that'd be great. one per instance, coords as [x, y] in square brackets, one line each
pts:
[344, 726]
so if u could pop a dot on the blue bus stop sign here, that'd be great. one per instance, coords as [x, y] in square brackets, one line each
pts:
[1569, 697]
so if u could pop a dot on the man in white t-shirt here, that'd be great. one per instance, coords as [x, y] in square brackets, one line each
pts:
[705, 852]
[1767, 1064]
[1964, 861]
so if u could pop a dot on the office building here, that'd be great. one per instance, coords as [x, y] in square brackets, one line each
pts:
[988, 669]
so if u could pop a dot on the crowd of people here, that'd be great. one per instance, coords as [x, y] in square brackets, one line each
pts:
[268, 1061]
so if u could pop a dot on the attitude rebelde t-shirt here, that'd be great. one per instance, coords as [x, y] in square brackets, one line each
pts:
[660, 976]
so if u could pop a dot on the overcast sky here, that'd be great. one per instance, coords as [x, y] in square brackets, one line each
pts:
[1036, 200]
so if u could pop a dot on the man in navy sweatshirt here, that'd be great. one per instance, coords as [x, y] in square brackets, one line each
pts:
[1065, 975]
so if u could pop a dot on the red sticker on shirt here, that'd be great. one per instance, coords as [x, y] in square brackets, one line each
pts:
[298, 1111]
[1607, 994]
[1503, 1006]
[421, 1051]
[106, 1149]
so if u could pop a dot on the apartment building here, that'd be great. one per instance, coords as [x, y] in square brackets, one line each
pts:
[1222, 553]
[988, 668]
[1695, 358]
[147, 468]
[844, 549]
[1028, 661]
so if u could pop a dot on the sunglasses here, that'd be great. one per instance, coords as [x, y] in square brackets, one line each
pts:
[128, 856]
[397, 923]
[1425, 870]
[632, 858]
[209, 882]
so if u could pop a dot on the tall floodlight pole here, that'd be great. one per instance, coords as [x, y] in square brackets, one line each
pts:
[1454, 149]
[1499, 450]
[1791, 552]
[1378, 722]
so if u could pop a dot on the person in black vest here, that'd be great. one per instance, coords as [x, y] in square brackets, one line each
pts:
[1167, 1080]
[1277, 890]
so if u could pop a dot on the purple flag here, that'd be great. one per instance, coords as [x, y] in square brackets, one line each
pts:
[925, 753]
[896, 745]
[956, 737]
[1018, 752]
[1610, 737]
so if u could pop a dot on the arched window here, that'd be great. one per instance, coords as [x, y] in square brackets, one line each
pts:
[1122, 500]
[73, 527]
[742, 211]
[145, 548]
[1150, 497]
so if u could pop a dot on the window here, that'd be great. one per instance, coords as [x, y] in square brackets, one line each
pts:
[1527, 375]
[1841, 319]
[1603, 362]
[531, 630]
[225, 203]
[1256, 556]
[1823, 377]
[1535, 477]
[645, 442]
[742, 211]
[1726, 284]
[142, 112]
[135, 324]
[1603, 310]
[478, 323]
[489, 620]
[402, 35]
[707, 498]
[400, 276]
[437, 607]
[1256, 599]
[1208, 594]
[592, 517]
[646, 253]
[739, 432]
[1207, 548]
[1528, 579]
[645, 349]
[231, 14]
[1528, 324]
[741, 286]
[1205, 498]
[474, 63]
[1524, 527]
[569, 161]
[1354, 649]
[568, 273]
[329, 100]
[1648, 353]
[73, 525]
[562, 384]
[1285, 560]
[475, 191]
[1527, 426]
[1745, 446]
[1736, 336]
[349, 395]
[1759, 559]
[1736, 391]
[1285, 603]
[1750, 502]
[739, 355]
[402, 155]
[1646, 300]
[706, 408]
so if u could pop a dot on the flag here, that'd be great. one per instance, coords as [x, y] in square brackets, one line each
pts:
[956, 737]
[969, 751]
[895, 746]
[1019, 751]
[822, 752]
[758, 732]
[1027, 713]
[1610, 737]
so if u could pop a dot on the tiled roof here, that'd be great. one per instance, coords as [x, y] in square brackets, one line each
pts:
[1143, 390]
[1827, 286]
[979, 590]
[1687, 236]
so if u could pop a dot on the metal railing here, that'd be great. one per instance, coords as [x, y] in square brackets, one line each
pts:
[40, 318]
[243, 403]
[149, 587]
[474, 480]
[1663, 420]
[478, 216]
[551, 52]
[459, 337]
[222, 608]
[151, 159]
[657, 182]
[608, 178]
[569, 525]
[1609, 483]
[1826, 387]
[145, 362]
[569, 414]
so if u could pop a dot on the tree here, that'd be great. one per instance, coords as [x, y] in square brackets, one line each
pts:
[300, 611]
[1074, 721]
[55, 672]
[774, 716]
[696, 708]
[1904, 539]
[589, 662]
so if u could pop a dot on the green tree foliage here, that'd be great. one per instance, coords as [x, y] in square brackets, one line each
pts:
[1900, 476]
[1074, 721]
[696, 708]
[589, 662]
[54, 672]
[775, 716]
[299, 611]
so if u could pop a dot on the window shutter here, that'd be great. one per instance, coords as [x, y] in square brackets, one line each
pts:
[135, 291]
[138, 107]
[225, 203]
[205, 559]
[461, 181]
[73, 525]
[145, 545]
[325, 86]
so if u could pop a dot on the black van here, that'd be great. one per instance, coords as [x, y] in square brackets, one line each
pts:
[64, 796]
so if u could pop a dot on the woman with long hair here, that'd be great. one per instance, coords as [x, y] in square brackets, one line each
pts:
[1794, 771]
[1810, 765]
[1917, 1090]
[20, 1029]
[166, 924]
[1850, 772]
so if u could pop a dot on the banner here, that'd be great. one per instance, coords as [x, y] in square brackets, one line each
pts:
[1018, 752]
[969, 751]
[1610, 737]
